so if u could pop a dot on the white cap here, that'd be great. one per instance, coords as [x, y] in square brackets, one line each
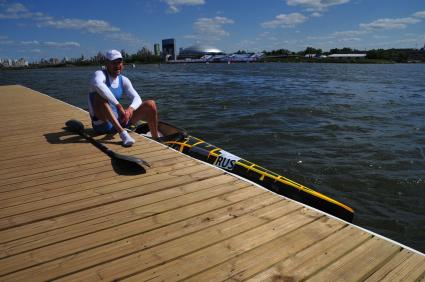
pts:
[112, 55]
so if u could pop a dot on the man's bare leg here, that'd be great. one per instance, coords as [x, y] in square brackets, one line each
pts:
[148, 112]
[103, 112]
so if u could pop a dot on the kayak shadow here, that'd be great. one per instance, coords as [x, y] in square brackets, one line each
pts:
[120, 167]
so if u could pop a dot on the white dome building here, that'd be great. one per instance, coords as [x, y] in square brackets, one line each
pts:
[198, 51]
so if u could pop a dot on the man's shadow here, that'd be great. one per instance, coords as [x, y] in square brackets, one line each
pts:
[121, 167]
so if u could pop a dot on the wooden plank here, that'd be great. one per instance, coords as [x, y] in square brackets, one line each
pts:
[73, 143]
[63, 161]
[234, 245]
[69, 142]
[152, 253]
[67, 189]
[107, 212]
[64, 195]
[169, 211]
[151, 233]
[100, 191]
[60, 162]
[66, 154]
[191, 174]
[86, 182]
[44, 176]
[360, 263]
[74, 171]
[310, 260]
[93, 240]
[404, 266]
[246, 255]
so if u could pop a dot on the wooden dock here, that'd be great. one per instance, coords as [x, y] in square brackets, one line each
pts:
[69, 213]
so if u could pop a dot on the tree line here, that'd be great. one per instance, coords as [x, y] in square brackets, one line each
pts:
[394, 55]
[146, 56]
[142, 56]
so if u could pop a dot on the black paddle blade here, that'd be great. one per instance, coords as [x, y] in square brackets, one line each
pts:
[130, 159]
[75, 125]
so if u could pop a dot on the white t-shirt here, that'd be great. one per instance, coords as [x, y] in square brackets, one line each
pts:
[98, 85]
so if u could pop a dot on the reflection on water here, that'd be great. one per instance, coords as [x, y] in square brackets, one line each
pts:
[353, 132]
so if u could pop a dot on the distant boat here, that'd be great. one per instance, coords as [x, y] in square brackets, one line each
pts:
[133, 66]
[103, 67]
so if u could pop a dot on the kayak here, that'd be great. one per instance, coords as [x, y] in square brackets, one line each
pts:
[181, 141]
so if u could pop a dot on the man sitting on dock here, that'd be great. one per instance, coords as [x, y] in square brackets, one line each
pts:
[107, 114]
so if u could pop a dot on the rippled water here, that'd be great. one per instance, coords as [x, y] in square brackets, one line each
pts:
[353, 132]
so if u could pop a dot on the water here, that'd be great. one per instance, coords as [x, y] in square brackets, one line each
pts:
[353, 132]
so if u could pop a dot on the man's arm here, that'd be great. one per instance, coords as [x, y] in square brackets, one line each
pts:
[98, 83]
[132, 94]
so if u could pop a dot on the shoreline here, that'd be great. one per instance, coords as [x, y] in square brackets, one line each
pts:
[277, 60]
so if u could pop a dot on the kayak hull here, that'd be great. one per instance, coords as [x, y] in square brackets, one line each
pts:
[179, 140]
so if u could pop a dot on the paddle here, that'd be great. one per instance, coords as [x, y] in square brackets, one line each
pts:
[77, 127]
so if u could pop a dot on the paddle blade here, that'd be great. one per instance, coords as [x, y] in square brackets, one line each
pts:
[130, 159]
[75, 125]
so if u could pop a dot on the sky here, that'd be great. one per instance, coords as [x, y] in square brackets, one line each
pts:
[35, 29]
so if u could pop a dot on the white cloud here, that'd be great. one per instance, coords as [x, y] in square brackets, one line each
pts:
[14, 11]
[211, 29]
[16, 8]
[380, 37]
[420, 14]
[126, 37]
[19, 11]
[39, 44]
[349, 33]
[33, 42]
[379, 24]
[61, 44]
[323, 37]
[91, 26]
[284, 20]
[174, 5]
[6, 42]
[316, 15]
[389, 23]
[350, 39]
[316, 5]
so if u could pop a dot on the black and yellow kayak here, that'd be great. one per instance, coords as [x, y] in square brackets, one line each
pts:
[179, 140]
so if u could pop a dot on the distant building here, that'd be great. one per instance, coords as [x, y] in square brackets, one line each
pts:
[54, 61]
[248, 57]
[8, 63]
[343, 56]
[169, 49]
[21, 63]
[198, 51]
[157, 49]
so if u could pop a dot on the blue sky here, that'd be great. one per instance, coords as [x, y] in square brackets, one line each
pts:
[51, 28]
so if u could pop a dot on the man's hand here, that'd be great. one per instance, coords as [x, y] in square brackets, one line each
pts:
[128, 114]
[121, 114]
